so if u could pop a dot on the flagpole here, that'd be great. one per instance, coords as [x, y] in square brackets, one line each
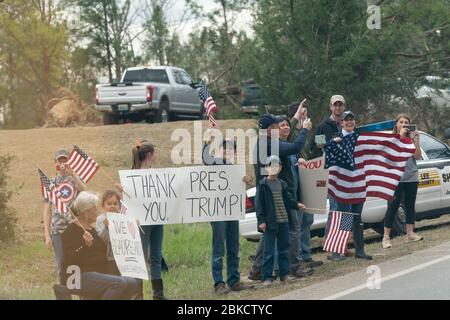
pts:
[326, 211]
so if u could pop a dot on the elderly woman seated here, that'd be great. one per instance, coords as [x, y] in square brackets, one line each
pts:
[84, 249]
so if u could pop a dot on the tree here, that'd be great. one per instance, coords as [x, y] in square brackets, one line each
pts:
[157, 31]
[108, 29]
[319, 48]
[32, 43]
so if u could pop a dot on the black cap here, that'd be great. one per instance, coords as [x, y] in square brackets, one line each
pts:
[267, 120]
[347, 113]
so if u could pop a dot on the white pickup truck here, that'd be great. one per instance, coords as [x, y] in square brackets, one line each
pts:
[433, 196]
[153, 94]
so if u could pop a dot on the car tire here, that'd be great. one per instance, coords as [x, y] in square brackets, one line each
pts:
[163, 114]
[110, 118]
[398, 227]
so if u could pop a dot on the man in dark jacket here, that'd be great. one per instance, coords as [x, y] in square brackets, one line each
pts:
[329, 128]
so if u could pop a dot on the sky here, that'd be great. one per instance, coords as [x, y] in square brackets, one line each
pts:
[182, 24]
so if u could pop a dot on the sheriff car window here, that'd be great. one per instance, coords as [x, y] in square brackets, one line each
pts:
[433, 148]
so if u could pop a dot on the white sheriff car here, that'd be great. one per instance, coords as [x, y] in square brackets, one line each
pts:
[433, 196]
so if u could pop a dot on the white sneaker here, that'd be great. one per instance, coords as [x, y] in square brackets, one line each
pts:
[267, 283]
[413, 237]
[386, 243]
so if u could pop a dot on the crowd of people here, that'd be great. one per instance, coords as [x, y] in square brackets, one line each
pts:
[81, 238]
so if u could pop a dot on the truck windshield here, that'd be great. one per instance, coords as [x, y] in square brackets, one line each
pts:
[146, 75]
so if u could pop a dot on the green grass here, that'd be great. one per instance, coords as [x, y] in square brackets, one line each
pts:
[27, 271]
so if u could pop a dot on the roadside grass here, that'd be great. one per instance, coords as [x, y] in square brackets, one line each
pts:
[27, 271]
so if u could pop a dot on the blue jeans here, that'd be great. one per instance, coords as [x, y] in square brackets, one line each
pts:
[306, 221]
[152, 242]
[281, 235]
[96, 285]
[225, 233]
[58, 249]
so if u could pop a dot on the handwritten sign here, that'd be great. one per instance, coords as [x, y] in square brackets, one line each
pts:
[185, 195]
[314, 184]
[127, 246]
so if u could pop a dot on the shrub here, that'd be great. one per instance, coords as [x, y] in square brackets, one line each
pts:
[8, 218]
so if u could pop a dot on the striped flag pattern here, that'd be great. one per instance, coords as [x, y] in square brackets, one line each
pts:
[209, 104]
[339, 228]
[83, 165]
[50, 192]
[366, 165]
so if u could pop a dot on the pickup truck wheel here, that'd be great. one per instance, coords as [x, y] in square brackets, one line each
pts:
[163, 112]
[110, 118]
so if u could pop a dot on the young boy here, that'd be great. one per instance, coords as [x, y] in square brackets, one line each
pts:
[225, 234]
[274, 201]
[69, 185]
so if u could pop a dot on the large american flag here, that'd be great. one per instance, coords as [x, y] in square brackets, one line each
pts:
[364, 165]
[209, 104]
[50, 192]
[338, 232]
[83, 165]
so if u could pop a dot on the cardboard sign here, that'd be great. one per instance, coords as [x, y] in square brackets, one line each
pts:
[314, 185]
[185, 195]
[127, 246]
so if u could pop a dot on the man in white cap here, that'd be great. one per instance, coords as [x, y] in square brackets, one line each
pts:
[328, 128]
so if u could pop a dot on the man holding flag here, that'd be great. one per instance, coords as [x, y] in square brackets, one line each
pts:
[360, 165]
[67, 186]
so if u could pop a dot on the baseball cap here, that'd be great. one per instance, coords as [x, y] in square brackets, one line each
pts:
[61, 153]
[271, 159]
[267, 120]
[335, 98]
[347, 113]
[282, 118]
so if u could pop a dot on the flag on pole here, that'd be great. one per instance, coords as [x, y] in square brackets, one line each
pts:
[50, 192]
[339, 228]
[209, 104]
[364, 165]
[83, 165]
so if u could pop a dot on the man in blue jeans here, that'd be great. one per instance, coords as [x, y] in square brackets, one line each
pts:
[225, 234]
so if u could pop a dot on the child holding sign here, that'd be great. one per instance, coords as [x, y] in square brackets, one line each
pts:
[274, 201]
[110, 203]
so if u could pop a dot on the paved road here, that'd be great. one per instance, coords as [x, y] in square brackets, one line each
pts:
[422, 275]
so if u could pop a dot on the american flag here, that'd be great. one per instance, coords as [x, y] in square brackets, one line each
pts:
[338, 232]
[370, 164]
[83, 165]
[50, 192]
[208, 102]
